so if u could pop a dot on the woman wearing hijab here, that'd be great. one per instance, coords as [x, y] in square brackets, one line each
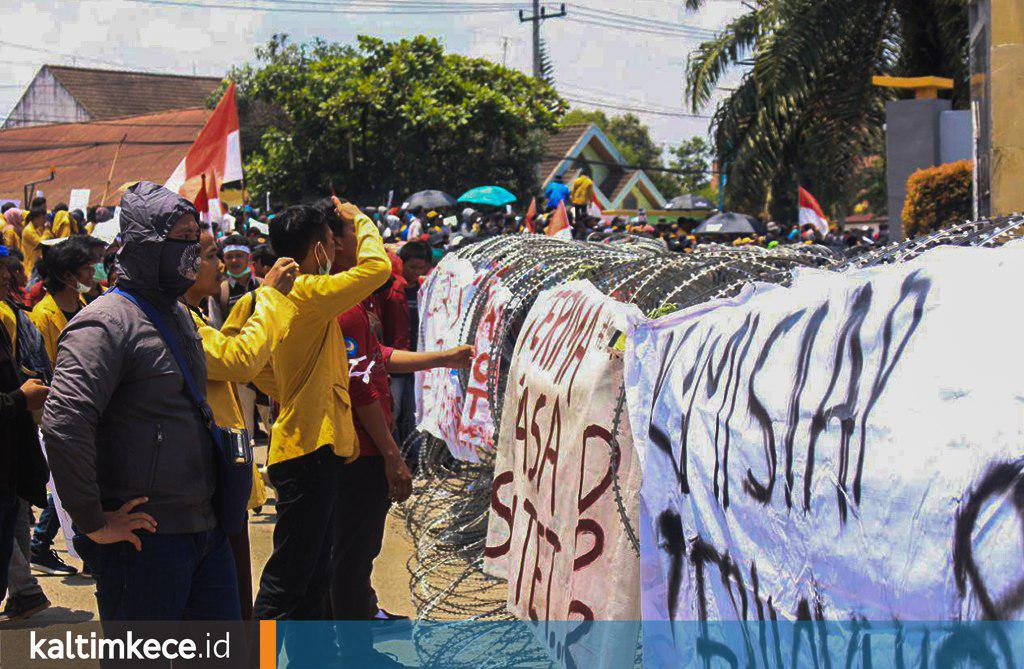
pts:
[62, 224]
[14, 219]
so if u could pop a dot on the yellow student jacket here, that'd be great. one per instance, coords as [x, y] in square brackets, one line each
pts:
[238, 358]
[30, 239]
[12, 238]
[310, 365]
[50, 321]
[9, 322]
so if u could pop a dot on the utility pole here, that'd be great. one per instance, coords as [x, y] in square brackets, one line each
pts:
[539, 14]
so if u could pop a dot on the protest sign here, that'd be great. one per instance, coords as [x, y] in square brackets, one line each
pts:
[445, 297]
[564, 477]
[847, 448]
[476, 425]
[79, 199]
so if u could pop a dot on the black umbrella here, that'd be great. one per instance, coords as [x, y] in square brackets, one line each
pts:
[688, 203]
[727, 223]
[430, 199]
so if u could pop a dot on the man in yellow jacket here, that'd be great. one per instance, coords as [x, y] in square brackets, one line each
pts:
[69, 277]
[238, 359]
[34, 232]
[314, 432]
[581, 196]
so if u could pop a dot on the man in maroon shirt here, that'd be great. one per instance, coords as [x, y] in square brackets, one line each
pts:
[369, 484]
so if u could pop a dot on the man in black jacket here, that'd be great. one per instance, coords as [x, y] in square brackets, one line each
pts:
[131, 455]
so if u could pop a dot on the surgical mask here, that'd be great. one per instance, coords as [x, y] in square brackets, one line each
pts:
[99, 273]
[179, 266]
[238, 275]
[324, 266]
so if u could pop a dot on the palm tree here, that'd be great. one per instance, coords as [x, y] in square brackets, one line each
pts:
[805, 110]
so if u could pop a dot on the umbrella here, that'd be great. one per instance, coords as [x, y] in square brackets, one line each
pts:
[494, 196]
[429, 199]
[688, 203]
[727, 223]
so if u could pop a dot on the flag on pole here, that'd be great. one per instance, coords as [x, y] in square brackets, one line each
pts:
[530, 214]
[202, 201]
[216, 152]
[810, 212]
[594, 209]
[559, 224]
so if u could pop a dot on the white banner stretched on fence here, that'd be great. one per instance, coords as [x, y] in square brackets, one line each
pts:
[556, 528]
[848, 447]
[444, 300]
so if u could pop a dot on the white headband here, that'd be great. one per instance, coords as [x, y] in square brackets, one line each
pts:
[243, 249]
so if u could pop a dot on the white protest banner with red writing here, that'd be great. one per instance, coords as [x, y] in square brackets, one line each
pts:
[476, 427]
[847, 448]
[565, 475]
[445, 297]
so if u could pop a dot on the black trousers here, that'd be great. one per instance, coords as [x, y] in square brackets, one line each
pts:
[361, 512]
[296, 578]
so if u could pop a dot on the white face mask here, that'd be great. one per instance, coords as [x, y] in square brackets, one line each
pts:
[324, 266]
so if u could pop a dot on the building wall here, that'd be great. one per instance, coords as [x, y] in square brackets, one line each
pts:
[1006, 83]
[45, 101]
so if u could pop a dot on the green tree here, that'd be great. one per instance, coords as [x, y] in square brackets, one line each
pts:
[693, 160]
[633, 139]
[805, 110]
[374, 116]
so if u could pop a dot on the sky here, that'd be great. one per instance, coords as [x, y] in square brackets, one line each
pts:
[626, 53]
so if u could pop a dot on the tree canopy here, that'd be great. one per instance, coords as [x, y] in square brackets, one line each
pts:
[806, 112]
[375, 116]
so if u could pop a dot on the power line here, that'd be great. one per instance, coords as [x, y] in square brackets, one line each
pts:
[638, 110]
[540, 14]
[364, 8]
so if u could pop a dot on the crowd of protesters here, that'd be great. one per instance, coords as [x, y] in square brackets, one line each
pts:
[137, 374]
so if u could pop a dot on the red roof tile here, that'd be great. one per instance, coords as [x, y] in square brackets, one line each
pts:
[107, 94]
[82, 154]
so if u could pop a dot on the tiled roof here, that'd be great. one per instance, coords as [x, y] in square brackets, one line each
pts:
[107, 94]
[82, 154]
[558, 146]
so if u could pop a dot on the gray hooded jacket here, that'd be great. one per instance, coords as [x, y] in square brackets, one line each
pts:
[119, 422]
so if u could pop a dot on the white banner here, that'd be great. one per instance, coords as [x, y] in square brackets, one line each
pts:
[476, 426]
[556, 528]
[846, 448]
[444, 300]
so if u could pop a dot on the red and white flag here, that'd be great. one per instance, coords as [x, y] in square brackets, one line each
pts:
[216, 152]
[558, 226]
[594, 208]
[810, 212]
[530, 214]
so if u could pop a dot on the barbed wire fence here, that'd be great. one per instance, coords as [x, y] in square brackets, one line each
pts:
[447, 515]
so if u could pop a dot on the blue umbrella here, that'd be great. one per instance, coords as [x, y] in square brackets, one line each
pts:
[494, 196]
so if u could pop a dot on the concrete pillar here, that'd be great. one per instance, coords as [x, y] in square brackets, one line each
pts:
[912, 142]
[1007, 87]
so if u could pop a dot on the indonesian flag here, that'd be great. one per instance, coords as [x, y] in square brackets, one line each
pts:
[810, 212]
[559, 224]
[594, 208]
[216, 152]
[202, 201]
[530, 213]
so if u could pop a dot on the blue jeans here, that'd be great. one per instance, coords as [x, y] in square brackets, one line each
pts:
[46, 529]
[9, 507]
[173, 577]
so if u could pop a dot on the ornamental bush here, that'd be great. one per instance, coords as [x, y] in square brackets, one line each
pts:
[938, 197]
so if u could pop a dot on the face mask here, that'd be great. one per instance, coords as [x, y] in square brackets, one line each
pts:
[99, 273]
[237, 275]
[324, 266]
[179, 266]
